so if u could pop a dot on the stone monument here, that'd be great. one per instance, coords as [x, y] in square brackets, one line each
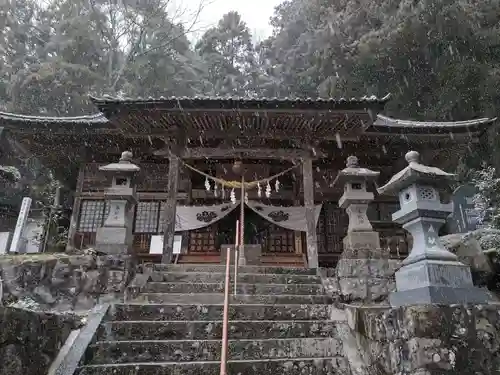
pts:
[115, 236]
[18, 242]
[363, 269]
[430, 274]
[465, 217]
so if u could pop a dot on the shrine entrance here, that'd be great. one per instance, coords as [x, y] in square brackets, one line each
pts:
[258, 231]
[272, 238]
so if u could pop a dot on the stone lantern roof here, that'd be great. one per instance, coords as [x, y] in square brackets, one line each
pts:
[125, 165]
[354, 173]
[416, 172]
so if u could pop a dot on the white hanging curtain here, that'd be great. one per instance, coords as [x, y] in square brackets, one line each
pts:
[293, 218]
[195, 217]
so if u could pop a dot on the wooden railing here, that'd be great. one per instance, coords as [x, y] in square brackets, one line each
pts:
[225, 317]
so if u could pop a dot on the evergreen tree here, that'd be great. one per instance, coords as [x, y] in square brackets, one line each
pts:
[230, 57]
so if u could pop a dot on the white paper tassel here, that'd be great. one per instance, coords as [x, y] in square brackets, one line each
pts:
[259, 190]
[268, 190]
[233, 197]
[277, 185]
[223, 192]
[207, 184]
[216, 192]
[246, 197]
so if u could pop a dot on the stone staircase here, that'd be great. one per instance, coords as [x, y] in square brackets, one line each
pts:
[280, 322]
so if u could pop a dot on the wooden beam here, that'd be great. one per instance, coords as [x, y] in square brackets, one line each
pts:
[170, 213]
[170, 209]
[311, 237]
[75, 214]
[141, 195]
[297, 234]
[274, 134]
[473, 136]
[244, 153]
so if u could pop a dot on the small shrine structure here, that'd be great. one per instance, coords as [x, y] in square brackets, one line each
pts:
[291, 150]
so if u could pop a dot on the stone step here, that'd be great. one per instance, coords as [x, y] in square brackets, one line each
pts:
[222, 269]
[210, 350]
[242, 288]
[218, 298]
[250, 278]
[214, 312]
[212, 330]
[296, 366]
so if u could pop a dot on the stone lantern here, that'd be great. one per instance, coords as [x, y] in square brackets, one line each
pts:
[430, 274]
[115, 236]
[363, 269]
[356, 198]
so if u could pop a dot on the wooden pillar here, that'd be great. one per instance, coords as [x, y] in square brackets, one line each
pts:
[311, 237]
[170, 209]
[75, 213]
[189, 200]
[297, 234]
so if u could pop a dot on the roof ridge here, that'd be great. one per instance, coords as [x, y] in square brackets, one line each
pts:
[116, 99]
[95, 118]
[395, 122]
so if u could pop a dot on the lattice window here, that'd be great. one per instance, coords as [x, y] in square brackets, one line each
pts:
[92, 215]
[321, 232]
[161, 220]
[280, 240]
[142, 242]
[336, 227]
[202, 240]
[426, 193]
[331, 229]
[146, 217]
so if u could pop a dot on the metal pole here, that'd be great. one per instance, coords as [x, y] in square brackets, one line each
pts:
[48, 222]
[236, 244]
[223, 357]
[242, 219]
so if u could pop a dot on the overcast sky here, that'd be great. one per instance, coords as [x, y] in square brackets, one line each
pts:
[255, 13]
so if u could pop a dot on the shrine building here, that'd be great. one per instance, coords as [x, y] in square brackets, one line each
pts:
[192, 151]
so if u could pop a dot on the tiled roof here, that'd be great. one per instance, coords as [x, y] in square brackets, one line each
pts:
[203, 102]
[384, 123]
[12, 118]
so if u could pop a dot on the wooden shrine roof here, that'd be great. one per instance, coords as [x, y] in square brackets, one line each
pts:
[328, 128]
[384, 124]
[96, 120]
[108, 103]
[269, 118]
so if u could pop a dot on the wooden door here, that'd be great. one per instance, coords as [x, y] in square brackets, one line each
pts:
[203, 240]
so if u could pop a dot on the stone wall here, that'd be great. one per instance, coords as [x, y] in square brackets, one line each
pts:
[60, 282]
[30, 341]
[41, 293]
[423, 340]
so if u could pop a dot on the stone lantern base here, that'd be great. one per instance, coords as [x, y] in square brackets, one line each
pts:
[436, 282]
[364, 271]
[112, 240]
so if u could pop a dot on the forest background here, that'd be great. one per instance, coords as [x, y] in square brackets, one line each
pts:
[440, 59]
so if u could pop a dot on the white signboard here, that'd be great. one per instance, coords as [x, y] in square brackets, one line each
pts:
[156, 246]
[4, 242]
[21, 223]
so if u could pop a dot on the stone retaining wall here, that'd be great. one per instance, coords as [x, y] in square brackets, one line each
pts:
[426, 340]
[30, 341]
[64, 282]
[50, 289]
